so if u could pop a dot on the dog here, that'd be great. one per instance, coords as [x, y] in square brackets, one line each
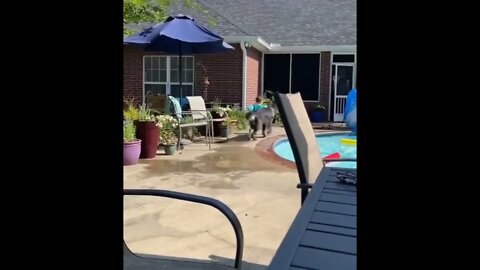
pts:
[261, 119]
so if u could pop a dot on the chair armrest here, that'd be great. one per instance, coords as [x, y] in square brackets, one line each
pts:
[224, 209]
[196, 112]
[301, 185]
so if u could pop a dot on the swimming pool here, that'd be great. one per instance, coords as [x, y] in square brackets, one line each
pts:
[329, 144]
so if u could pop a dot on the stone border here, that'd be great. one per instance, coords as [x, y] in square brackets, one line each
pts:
[265, 149]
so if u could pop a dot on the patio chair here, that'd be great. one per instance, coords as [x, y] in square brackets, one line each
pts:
[302, 140]
[155, 102]
[197, 104]
[200, 118]
[224, 209]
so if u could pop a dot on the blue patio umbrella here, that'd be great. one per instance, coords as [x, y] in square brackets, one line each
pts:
[180, 35]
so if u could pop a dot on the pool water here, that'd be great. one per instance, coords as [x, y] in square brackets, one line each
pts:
[328, 144]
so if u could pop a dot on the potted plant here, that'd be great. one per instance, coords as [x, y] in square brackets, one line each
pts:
[131, 145]
[148, 131]
[238, 119]
[168, 138]
[130, 112]
[318, 113]
[169, 141]
[219, 112]
[225, 127]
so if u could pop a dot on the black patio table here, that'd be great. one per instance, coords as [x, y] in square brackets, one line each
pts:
[323, 235]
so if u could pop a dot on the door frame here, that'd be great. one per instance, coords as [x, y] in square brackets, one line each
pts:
[332, 92]
[335, 96]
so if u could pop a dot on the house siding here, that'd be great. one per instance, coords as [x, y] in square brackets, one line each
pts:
[132, 73]
[224, 71]
[254, 61]
[325, 67]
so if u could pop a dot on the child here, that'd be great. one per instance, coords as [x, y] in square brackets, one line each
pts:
[257, 106]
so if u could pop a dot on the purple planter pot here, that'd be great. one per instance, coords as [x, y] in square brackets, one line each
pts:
[131, 152]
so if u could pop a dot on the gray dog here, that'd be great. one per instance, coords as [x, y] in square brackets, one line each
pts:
[261, 119]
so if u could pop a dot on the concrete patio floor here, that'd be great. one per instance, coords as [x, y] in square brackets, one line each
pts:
[262, 194]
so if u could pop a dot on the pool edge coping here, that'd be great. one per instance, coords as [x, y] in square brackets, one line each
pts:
[265, 148]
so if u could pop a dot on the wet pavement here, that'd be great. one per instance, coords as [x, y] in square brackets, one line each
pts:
[262, 194]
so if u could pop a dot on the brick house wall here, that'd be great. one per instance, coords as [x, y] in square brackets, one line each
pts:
[325, 75]
[224, 71]
[132, 73]
[254, 69]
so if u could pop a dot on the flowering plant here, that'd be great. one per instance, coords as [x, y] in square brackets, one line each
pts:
[166, 122]
[168, 125]
[168, 137]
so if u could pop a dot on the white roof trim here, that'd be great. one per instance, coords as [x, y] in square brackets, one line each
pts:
[317, 48]
[257, 42]
[263, 46]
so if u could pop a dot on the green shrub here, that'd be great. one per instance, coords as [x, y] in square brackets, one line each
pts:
[239, 116]
[131, 113]
[129, 131]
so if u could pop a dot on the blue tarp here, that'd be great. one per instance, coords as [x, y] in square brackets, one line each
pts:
[350, 114]
[179, 105]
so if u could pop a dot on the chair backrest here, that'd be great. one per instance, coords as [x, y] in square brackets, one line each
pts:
[197, 104]
[300, 135]
[156, 103]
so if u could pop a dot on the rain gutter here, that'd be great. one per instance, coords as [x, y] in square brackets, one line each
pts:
[244, 75]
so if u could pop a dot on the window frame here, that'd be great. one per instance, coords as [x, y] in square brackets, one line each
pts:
[168, 82]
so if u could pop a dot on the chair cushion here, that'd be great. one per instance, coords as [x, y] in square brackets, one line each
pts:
[173, 107]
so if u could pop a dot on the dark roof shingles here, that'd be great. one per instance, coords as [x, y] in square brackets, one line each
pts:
[299, 22]
[288, 22]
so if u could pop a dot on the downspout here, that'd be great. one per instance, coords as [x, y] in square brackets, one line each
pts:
[244, 76]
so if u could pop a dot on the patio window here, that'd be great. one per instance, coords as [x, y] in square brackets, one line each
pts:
[343, 58]
[276, 73]
[161, 75]
[305, 75]
[291, 73]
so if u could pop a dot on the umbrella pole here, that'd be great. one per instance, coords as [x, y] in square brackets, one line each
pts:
[180, 71]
